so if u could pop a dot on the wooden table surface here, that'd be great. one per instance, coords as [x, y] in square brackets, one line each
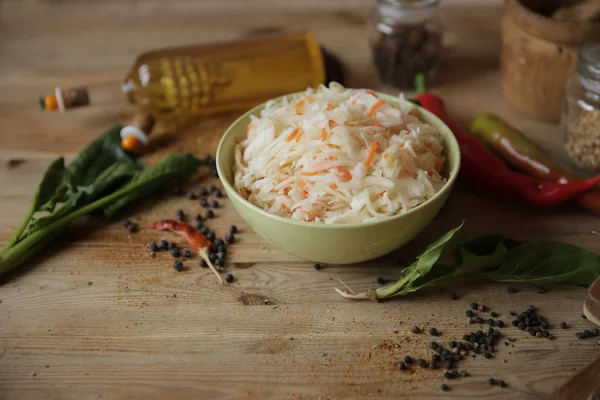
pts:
[95, 317]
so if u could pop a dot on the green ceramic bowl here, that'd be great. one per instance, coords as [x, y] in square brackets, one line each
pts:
[336, 243]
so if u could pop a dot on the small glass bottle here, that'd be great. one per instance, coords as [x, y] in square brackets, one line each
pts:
[406, 40]
[580, 122]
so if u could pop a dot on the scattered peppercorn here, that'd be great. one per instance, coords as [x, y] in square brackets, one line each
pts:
[127, 222]
[219, 261]
[205, 229]
[186, 253]
[131, 228]
[209, 214]
[408, 360]
[448, 375]
[474, 306]
[452, 344]
[191, 196]
[198, 224]
[579, 335]
[421, 363]
[153, 246]
[492, 381]
[493, 314]
[218, 193]
[175, 252]
[210, 236]
[540, 289]
[433, 331]
[212, 187]
[469, 320]
[452, 296]
[179, 214]
[163, 245]
[203, 202]
[563, 325]
[490, 322]
[178, 265]
[228, 278]
[444, 387]
[233, 229]
[501, 383]
[587, 334]
[482, 307]
[202, 191]
[172, 245]
[317, 266]
[380, 280]
[511, 290]
[214, 204]
[416, 329]
[469, 313]
[212, 257]
[487, 354]
[464, 373]
[203, 263]
[229, 237]
[500, 323]
[401, 365]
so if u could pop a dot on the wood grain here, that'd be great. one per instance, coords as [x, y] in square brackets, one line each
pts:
[97, 317]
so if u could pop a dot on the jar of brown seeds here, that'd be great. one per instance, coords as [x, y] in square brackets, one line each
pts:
[580, 122]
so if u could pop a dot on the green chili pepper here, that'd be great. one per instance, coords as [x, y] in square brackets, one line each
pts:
[517, 150]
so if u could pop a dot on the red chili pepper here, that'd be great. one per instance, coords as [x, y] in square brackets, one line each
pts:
[193, 236]
[483, 169]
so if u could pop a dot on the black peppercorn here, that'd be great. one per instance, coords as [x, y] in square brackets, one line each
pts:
[469, 313]
[433, 331]
[233, 229]
[131, 228]
[416, 329]
[595, 332]
[175, 252]
[380, 280]
[433, 345]
[563, 325]
[172, 245]
[219, 261]
[317, 266]
[229, 237]
[210, 236]
[152, 246]
[218, 193]
[511, 290]
[500, 323]
[487, 354]
[163, 245]
[178, 265]
[452, 296]
[490, 322]
[482, 308]
[186, 253]
[209, 214]
[501, 383]
[203, 263]
[205, 229]
[214, 204]
[408, 360]
[540, 289]
[203, 191]
[579, 335]
[448, 375]
[494, 314]
[401, 365]
[492, 381]
[452, 344]
[203, 202]
[179, 215]
[474, 306]
[191, 195]
[421, 363]
[444, 387]
[228, 278]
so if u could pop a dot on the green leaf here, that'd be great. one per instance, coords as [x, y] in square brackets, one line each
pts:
[542, 262]
[421, 267]
[173, 167]
[98, 156]
[110, 179]
[482, 252]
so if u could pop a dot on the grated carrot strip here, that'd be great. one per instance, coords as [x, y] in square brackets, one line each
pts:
[385, 155]
[248, 127]
[323, 135]
[346, 175]
[377, 123]
[308, 99]
[375, 106]
[372, 93]
[292, 135]
[283, 206]
[299, 106]
[439, 163]
[371, 154]
[381, 194]
[309, 173]
[333, 186]
[330, 107]
[298, 137]
[353, 102]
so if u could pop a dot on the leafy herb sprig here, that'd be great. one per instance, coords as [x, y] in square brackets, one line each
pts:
[102, 178]
[492, 257]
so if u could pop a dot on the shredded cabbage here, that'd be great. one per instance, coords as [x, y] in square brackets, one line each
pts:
[337, 155]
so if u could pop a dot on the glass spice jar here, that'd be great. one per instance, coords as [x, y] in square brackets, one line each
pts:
[406, 40]
[580, 121]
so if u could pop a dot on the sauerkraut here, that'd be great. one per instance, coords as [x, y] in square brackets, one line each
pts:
[337, 155]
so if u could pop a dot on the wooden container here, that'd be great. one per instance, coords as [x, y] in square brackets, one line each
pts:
[539, 54]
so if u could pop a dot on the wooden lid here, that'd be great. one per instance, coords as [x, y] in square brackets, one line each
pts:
[533, 17]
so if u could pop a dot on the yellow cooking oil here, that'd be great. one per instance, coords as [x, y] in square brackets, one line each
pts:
[178, 83]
